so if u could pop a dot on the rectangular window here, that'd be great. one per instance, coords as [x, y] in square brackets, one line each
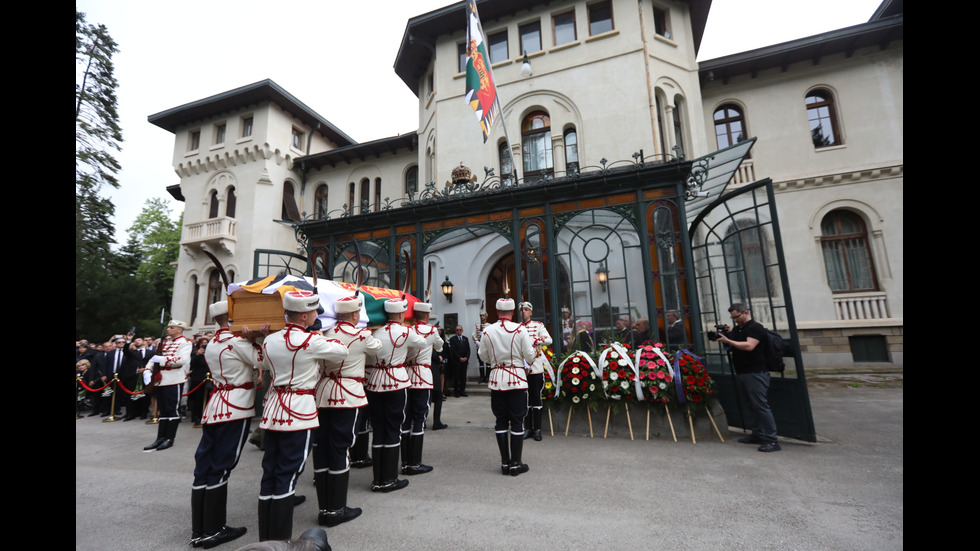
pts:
[461, 52]
[530, 37]
[564, 28]
[297, 142]
[195, 141]
[868, 348]
[498, 47]
[660, 22]
[600, 18]
[246, 127]
[219, 133]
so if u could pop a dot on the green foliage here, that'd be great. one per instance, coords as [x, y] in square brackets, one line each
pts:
[157, 238]
[97, 130]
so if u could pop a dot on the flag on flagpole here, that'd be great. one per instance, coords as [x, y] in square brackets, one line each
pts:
[481, 94]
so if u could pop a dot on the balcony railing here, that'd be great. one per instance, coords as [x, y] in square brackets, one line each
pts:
[745, 173]
[861, 306]
[213, 229]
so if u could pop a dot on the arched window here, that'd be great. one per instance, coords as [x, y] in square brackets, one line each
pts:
[350, 198]
[678, 126]
[230, 207]
[365, 196]
[320, 202]
[194, 297]
[729, 125]
[289, 209]
[215, 291]
[213, 211]
[846, 254]
[571, 151]
[822, 115]
[536, 135]
[506, 164]
[377, 194]
[412, 181]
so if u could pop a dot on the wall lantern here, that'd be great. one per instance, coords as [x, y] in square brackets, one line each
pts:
[602, 276]
[447, 289]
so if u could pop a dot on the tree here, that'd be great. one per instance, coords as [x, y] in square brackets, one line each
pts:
[158, 241]
[97, 130]
[99, 308]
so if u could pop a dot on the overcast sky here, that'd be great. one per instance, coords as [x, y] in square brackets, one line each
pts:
[335, 56]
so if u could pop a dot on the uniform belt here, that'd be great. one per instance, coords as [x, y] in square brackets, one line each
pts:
[288, 389]
[170, 368]
[336, 377]
[505, 366]
[388, 366]
[246, 386]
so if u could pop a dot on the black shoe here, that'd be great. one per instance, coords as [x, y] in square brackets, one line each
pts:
[439, 426]
[298, 500]
[129, 418]
[389, 486]
[527, 434]
[196, 540]
[536, 435]
[361, 463]
[93, 414]
[226, 534]
[518, 468]
[333, 518]
[444, 398]
[144, 417]
[417, 469]
[505, 470]
[156, 443]
[750, 440]
[167, 443]
[104, 415]
[770, 447]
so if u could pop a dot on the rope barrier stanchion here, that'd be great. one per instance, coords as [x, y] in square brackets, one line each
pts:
[112, 405]
[78, 382]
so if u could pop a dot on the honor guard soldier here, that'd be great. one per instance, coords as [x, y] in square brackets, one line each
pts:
[535, 378]
[341, 399]
[227, 417]
[419, 364]
[293, 357]
[508, 349]
[481, 326]
[387, 391]
[172, 365]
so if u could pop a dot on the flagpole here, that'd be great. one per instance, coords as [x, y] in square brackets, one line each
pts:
[496, 99]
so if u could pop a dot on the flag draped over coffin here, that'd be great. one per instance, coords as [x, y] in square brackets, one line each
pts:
[481, 93]
[372, 311]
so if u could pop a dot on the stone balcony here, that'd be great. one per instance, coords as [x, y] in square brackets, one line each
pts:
[214, 234]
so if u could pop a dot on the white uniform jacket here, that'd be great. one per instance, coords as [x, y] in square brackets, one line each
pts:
[231, 360]
[293, 358]
[540, 336]
[420, 360]
[506, 346]
[342, 383]
[176, 361]
[386, 372]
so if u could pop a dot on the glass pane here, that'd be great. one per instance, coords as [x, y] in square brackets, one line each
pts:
[564, 28]
[531, 37]
[600, 18]
[498, 47]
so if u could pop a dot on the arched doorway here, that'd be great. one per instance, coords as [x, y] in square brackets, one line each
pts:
[501, 282]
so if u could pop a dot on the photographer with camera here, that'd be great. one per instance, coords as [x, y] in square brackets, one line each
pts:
[748, 344]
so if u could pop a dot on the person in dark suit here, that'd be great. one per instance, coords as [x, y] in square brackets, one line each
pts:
[459, 356]
[117, 359]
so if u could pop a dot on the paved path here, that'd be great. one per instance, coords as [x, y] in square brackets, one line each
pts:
[844, 493]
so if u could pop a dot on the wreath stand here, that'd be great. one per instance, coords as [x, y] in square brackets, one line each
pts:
[629, 422]
[551, 423]
[669, 420]
[711, 418]
[568, 423]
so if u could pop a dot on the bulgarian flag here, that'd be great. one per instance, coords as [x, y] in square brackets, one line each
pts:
[481, 94]
[372, 310]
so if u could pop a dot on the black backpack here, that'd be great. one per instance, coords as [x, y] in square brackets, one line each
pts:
[777, 349]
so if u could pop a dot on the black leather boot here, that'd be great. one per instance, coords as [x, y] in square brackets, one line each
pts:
[502, 444]
[516, 448]
[197, 515]
[536, 424]
[359, 457]
[415, 465]
[215, 508]
[337, 511]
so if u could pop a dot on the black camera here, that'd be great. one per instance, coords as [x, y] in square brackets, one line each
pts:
[719, 328]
